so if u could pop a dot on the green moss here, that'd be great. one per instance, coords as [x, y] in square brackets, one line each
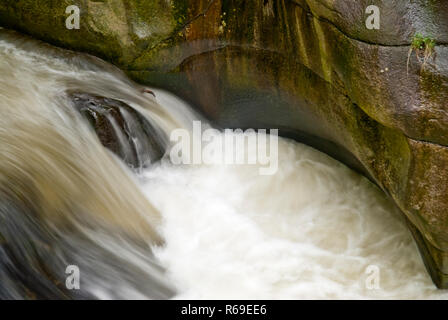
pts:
[423, 46]
[180, 12]
[419, 42]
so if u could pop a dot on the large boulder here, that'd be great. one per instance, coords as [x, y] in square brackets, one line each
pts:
[308, 67]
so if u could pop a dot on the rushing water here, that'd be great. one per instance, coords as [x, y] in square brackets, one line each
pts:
[315, 229]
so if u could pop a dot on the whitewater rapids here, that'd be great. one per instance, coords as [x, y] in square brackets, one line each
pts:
[312, 230]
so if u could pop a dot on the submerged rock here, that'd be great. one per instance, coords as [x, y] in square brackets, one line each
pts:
[121, 129]
[308, 67]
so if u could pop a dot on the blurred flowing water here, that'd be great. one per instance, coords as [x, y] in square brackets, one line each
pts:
[312, 230]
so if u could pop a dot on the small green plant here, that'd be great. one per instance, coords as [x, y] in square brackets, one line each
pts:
[423, 48]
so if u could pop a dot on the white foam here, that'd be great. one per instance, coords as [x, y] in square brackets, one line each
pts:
[309, 231]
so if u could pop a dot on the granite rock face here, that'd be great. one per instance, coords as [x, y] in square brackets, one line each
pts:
[310, 68]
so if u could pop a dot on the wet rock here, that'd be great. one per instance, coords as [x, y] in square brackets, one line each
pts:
[308, 67]
[121, 129]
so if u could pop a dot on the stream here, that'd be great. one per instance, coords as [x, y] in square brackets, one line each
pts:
[314, 229]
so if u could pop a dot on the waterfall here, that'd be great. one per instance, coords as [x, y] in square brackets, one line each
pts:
[65, 199]
[86, 181]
